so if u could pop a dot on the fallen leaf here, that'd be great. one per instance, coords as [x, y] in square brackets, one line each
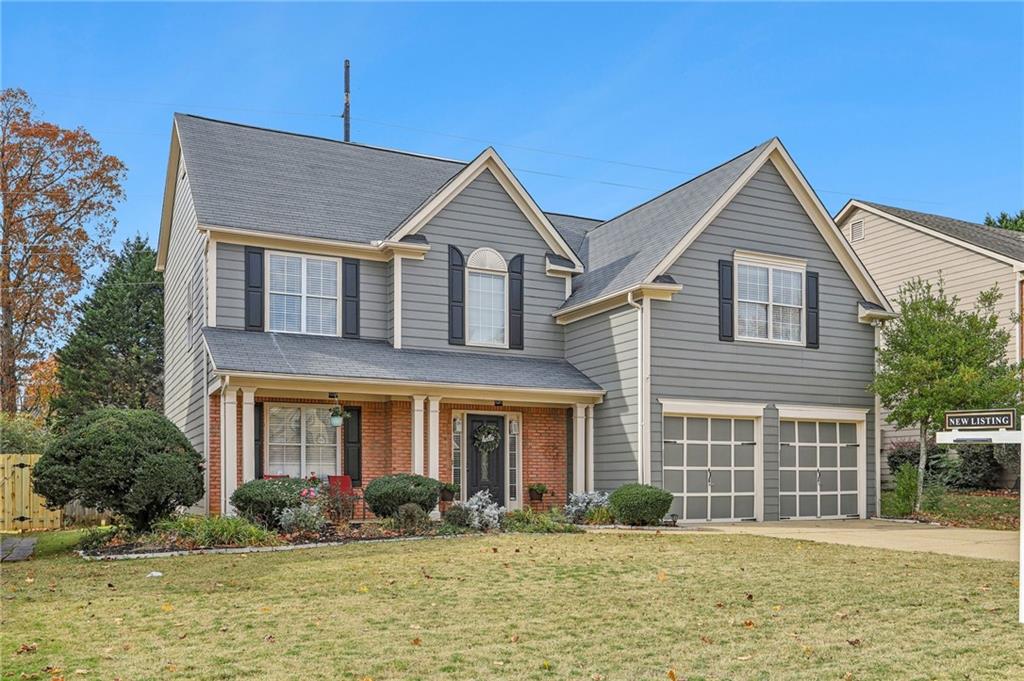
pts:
[749, 624]
[494, 549]
[546, 665]
[719, 605]
[744, 658]
[182, 635]
[842, 615]
[167, 607]
[110, 585]
[269, 638]
[171, 667]
[705, 640]
[26, 648]
[416, 641]
[514, 638]
[750, 597]
[662, 576]
[853, 641]
[81, 672]
[30, 580]
[671, 675]
[264, 609]
[776, 608]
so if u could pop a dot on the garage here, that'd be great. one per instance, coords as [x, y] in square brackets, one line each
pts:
[711, 466]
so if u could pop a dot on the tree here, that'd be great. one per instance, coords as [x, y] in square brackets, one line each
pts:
[133, 462]
[58, 190]
[40, 388]
[115, 356]
[1007, 221]
[936, 358]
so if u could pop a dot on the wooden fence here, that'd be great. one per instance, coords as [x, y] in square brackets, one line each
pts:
[20, 507]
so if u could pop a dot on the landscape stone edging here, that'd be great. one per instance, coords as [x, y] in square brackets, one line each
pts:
[258, 549]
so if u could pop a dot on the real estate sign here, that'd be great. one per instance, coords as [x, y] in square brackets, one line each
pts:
[990, 419]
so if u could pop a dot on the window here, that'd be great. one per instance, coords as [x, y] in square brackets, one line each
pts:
[301, 440]
[857, 230]
[513, 458]
[303, 294]
[769, 302]
[457, 452]
[487, 298]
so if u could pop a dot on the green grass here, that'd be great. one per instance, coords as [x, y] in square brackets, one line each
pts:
[55, 542]
[577, 606]
[989, 512]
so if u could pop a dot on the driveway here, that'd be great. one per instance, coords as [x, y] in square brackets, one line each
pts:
[881, 534]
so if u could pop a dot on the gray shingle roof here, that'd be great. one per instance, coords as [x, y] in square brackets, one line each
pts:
[282, 182]
[332, 357]
[622, 252]
[1002, 241]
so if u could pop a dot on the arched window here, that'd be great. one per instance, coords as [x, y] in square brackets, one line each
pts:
[487, 298]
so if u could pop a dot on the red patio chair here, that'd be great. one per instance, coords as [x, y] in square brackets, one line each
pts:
[274, 477]
[341, 483]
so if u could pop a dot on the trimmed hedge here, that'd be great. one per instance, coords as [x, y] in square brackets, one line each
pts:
[261, 501]
[385, 494]
[636, 504]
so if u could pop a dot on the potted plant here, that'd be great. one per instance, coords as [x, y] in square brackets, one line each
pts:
[448, 491]
[337, 416]
[537, 491]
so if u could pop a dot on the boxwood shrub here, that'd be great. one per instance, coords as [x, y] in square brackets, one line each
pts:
[385, 494]
[261, 501]
[636, 504]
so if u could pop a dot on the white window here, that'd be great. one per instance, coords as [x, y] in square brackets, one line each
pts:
[769, 302]
[457, 452]
[302, 294]
[301, 441]
[513, 458]
[857, 230]
[487, 298]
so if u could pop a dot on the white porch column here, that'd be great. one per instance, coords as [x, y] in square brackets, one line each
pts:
[248, 434]
[434, 436]
[579, 448]
[590, 448]
[229, 448]
[417, 434]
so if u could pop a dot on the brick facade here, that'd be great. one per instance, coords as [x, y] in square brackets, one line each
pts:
[387, 443]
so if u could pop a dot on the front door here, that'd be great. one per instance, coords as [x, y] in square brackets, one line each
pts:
[485, 465]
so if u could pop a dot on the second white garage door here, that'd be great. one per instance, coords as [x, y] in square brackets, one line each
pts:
[819, 474]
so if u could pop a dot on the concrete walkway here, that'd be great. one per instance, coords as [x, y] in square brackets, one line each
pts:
[16, 548]
[881, 534]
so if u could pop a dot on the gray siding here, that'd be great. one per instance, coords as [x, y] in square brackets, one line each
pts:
[231, 286]
[604, 347]
[482, 215]
[185, 367]
[689, 362]
[374, 299]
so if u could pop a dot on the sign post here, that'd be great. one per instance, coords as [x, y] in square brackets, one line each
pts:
[994, 426]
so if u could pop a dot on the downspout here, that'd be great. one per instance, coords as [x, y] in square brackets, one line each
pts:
[878, 427]
[641, 445]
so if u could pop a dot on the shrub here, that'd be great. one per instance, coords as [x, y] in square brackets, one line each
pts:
[636, 504]
[580, 503]
[303, 519]
[261, 501]
[95, 537]
[201, 531]
[599, 515]
[1008, 457]
[972, 467]
[484, 512]
[338, 505]
[22, 435]
[904, 491]
[528, 520]
[900, 452]
[385, 494]
[411, 518]
[133, 462]
[458, 515]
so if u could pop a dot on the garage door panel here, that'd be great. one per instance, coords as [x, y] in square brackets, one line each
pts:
[808, 505]
[697, 455]
[721, 508]
[828, 481]
[721, 481]
[696, 508]
[674, 481]
[848, 457]
[743, 430]
[787, 481]
[697, 481]
[743, 481]
[848, 433]
[743, 506]
[827, 432]
[787, 505]
[848, 480]
[807, 457]
[721, 456]
[674, 428]
[848, 504]
[673, 454]
[808, 481]
[828, 457]
[676, 508]
[828, 504]
[721, 430]
[743, 456]
[787, 456]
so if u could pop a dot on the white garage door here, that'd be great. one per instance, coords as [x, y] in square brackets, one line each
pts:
[818, 469]
[709, 466]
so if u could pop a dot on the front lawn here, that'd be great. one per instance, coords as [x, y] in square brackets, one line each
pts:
[590, 606]
[982, 510]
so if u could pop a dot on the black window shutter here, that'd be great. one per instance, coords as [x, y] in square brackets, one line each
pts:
[726, 301]
[515, 303]
[253, 288]
[812, 310]
[350, 298]
[456, 297]
[353, 430]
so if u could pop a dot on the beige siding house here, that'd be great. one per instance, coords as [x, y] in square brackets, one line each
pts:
[897, 245]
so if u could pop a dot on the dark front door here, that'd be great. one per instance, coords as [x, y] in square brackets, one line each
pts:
[486, 470]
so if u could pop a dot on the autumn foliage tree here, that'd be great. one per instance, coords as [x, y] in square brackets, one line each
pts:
[58, 190]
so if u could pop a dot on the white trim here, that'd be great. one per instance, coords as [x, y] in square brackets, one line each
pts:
[770, 263]
[206, 448]
[579, 446]
[853, 204]
[396, 285]
[639, 387]
[304, 258]
[655, 291]
[645, 388]
[815, 413]
[228, 447]
[417, 434]
[769, 259]
[877, 429]
[434, 436]
[489, 160]
[248, 429]
[379, 251]
[517, 503]
[590, 448]
[210, 281]
[671, 407]
[507, 417]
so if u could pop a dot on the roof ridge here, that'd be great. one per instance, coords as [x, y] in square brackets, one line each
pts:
[573, 215]
[321, 138]
[681, 185]
[1002, 233]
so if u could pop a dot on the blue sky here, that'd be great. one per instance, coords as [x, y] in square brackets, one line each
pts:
[917, 105]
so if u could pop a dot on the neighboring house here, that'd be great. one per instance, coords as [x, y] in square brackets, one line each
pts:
[897, 245]
[715, 340]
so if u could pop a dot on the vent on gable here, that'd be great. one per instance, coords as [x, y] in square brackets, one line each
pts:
[857, 231]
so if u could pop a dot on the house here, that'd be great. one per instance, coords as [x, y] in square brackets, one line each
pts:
[715, 341]
[897, 245]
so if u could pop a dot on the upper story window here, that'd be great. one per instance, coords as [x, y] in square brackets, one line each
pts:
[487, 299]
[302, 294]
[770, 299]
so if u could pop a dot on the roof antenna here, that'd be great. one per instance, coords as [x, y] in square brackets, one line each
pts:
[347, 114]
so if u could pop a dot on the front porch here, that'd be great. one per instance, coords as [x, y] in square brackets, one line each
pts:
[272, 426]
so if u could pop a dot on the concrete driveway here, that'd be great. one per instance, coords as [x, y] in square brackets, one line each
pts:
[881, 534]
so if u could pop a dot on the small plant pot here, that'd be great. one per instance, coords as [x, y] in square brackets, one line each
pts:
[536, 496]
[447, 495]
